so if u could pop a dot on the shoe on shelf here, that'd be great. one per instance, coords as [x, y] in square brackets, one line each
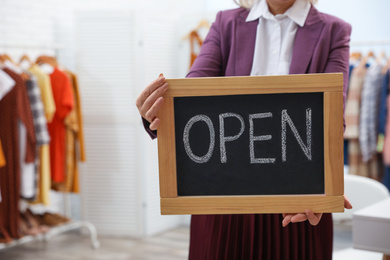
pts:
[35, 222]
[26, 228]
[61, 218]
[52, 219]
[4, 236]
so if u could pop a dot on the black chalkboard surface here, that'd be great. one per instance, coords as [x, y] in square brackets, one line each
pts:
[258, 144]
[263, 144]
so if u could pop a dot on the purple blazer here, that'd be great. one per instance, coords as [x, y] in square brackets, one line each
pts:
[321, 46]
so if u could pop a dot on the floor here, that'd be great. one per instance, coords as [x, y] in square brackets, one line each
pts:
[170, 245]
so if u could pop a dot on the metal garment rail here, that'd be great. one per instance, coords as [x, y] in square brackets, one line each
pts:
[55, 231]
[368, 43]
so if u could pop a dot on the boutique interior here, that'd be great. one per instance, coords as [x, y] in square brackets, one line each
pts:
[97, 195]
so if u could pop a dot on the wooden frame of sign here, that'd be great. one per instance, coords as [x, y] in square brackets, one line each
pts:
[331, 85]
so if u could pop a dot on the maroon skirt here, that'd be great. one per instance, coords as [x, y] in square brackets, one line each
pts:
[259, 236]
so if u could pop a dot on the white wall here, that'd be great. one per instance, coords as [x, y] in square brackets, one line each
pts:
[369, 19]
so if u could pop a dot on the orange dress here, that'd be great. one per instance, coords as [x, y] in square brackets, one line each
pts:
[63, 98]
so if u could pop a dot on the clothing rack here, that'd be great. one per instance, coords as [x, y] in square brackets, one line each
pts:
[368, 43]
[55, 48]
[56, 231]
[66, 227]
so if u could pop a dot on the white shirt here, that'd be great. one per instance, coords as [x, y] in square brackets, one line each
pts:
[6, 84]
[275, 37]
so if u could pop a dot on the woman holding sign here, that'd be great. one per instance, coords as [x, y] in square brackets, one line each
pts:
[262, 37]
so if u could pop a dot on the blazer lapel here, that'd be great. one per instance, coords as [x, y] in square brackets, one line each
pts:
[245, 40]
[305, 42]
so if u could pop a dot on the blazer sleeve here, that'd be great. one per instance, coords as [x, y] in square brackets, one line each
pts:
[207, 64]
[209, 61]
[338, 58]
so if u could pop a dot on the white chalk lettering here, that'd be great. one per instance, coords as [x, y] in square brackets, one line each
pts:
[253, 138]
[223, 138]
[305, 148]
[186, 138]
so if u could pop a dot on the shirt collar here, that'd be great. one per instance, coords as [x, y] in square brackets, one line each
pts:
[298, 12]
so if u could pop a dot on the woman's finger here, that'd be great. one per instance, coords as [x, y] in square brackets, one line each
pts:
[152, 113]
[154, 125]
[347, 204]
[286, 219]
[314, 219]
[155, 84]
[148, 109]
[299, 218]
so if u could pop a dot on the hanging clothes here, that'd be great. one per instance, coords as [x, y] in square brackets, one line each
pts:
[63, 97]
[6, 84]
[386, 147]
[368, 124]
[44, 177]
[2, 159]
[369, 111]
[76, 131]
[27, 169]
[194, 38]
[46, 91]
[80, 132]
[352, 111]
[352, 106]
[14, 106]
[44, 183]
[74, 139]
[386, 125]
[29, 179]
[383, 110]
[71, 161]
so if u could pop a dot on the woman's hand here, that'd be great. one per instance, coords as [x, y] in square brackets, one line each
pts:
[313, 218]
[150, 101]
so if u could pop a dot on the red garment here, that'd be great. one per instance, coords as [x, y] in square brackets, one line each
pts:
[63, 98]
[13, 107]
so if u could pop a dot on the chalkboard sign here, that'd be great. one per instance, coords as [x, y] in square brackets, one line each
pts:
[269, 144]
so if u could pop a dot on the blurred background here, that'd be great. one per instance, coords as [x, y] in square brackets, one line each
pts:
[115, 48]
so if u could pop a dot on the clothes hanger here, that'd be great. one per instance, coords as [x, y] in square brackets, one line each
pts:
[386, 67]
[7, 57]
[380, 58]
[202, 24]
[355, 55]
[25, 62]
[8, 62]
[364, 60]
[2, 59]
[25, 58]
[46, 59]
